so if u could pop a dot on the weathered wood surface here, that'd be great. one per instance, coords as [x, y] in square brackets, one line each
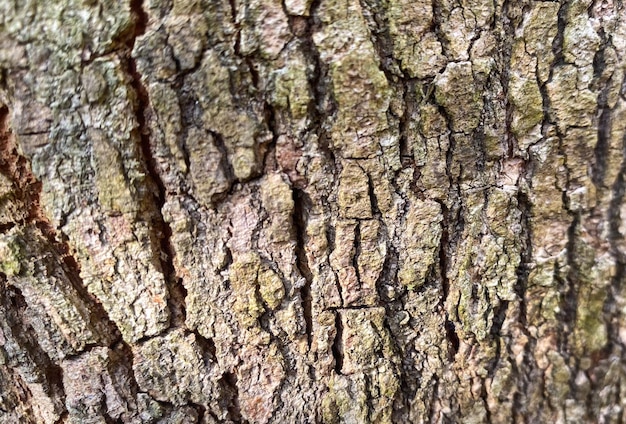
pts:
[356, 211]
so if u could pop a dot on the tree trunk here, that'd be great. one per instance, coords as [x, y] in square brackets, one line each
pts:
[312, 211]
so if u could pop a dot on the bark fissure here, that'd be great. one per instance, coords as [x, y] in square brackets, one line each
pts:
[299, 217]
[570, 295]
[616, 238]
[601, 149]
[225, 165]
[162, 230]
[438, 7]
[444, 247]
[356, 252]
[313, 211]
[557, 43]
[337, 346]
[228, 382]
[523, 269]
[505, 77]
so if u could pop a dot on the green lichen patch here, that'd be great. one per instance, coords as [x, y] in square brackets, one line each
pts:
[572, 105]
[290, 88]
[353, 196]
[420, 238]
[368, 384]
[12, 208]
[362, 94]
[457, 92]
[523, 92]
[239, 125]
[254, 284]
[172, 369]
[243, 277]
[114, 193]
[12, 255]
[205, 164]
[271, 287]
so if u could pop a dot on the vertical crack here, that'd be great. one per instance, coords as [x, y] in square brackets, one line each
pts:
[601, 149]
[301, 206]
[504, 74]
[63, 418]
[526, 239]
[372, 195]
[570, 296]
[323, 105]
[230, 396]
[268, 152]
[356, 251]
[337, 347]
[141, 22]
[161, 229]
[200, 410]
[438, 7]
[190, 112]
[225, 164]
[616, 239]
[557, 43]
[404, 123]
[451, 335]
[233, 13]
[378, 25]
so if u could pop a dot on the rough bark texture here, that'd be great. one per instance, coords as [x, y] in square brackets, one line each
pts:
[337, 211]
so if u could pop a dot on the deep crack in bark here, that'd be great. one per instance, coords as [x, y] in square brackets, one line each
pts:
[337, 347]
[301, 205]
[161, 229]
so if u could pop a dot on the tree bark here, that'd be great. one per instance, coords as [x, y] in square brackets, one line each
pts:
[312, 211]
